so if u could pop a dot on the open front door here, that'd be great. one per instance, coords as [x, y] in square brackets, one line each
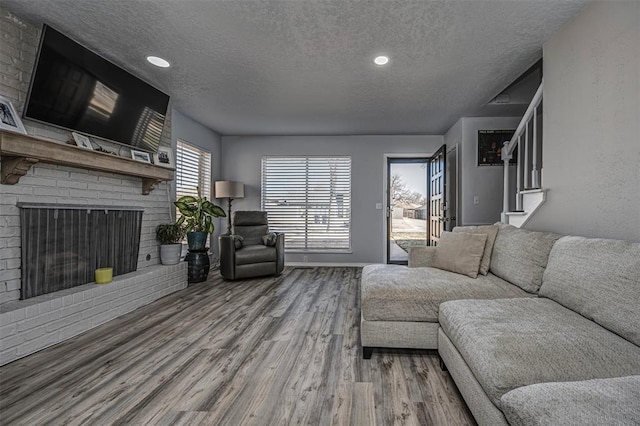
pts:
[437, 195]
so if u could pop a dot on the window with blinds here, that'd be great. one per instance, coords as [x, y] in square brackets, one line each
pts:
[193, 169]
[309, 199]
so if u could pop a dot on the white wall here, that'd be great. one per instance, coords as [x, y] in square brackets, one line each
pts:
[241, 160]
[190, 131]
[485, 182]
[592, 125]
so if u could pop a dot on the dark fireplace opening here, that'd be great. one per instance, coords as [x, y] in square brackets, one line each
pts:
[63, 245]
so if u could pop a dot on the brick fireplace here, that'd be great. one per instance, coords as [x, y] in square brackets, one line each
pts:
[29, 325]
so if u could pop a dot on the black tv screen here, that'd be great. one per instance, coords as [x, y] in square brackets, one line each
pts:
[74, 88]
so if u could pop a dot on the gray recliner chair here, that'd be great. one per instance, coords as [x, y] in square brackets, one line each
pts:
[252, 251]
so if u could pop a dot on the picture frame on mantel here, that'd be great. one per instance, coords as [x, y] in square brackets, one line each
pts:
[490, 144]
[9, 118]
[164, 158]
[82, 141]
[142, 156]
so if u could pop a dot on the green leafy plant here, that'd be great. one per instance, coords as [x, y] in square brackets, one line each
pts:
[170, 233]
[197, 213]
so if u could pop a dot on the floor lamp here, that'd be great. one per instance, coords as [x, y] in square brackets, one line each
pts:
[230, 190]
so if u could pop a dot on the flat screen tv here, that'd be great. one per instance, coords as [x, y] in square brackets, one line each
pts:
[74, 88]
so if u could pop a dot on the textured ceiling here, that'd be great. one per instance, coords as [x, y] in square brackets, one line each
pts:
[305, 67]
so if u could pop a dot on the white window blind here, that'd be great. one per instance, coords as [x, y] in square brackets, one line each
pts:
[309, 199]
[193, 169]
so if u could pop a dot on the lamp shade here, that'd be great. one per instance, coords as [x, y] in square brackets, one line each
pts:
[229, 189]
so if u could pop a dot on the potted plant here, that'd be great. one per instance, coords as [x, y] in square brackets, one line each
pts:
[197, 215]
[170, 236]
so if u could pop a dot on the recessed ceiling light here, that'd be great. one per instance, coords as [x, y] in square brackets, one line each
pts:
[158, 62]
[381, 60]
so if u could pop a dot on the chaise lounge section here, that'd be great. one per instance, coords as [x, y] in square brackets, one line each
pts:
[400, 304]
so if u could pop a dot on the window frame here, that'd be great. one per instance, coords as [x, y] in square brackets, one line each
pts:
[203, 178]
[348, 217]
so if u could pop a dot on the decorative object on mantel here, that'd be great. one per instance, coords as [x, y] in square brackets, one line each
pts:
[230, 190]
[19, 152]
[164, 158]
[170, 236]
[82, 141]
[145, 157]
[197, 214]
[9, 118]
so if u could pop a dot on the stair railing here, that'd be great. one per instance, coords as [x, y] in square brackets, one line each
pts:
[528, 140]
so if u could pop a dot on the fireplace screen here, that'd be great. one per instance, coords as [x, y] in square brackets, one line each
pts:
[62, 246]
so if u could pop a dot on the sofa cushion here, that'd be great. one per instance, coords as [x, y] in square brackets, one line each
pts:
[517, 342]
[613, 401]
[255, 254]
[460, 253]
[491, 231]
[600, 279]
[520, 256]
[398, 293]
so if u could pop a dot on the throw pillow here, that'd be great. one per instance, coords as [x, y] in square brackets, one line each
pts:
[270, 239]
[460, 253]
[492, 232]
[238, 241]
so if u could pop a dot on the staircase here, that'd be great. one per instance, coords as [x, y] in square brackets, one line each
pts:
[520, 204]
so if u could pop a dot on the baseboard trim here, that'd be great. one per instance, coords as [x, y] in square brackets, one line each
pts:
[328, 264]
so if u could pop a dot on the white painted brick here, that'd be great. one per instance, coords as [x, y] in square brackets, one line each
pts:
[13, 242]
[32, 311]
[34, 322]
[18, 315]
[11, 342]
[72, 330]
[8, 355]
[10, 200]
[56, 304]
[8, 330]
[34, 333]
[44, 307]
[9, 296]
[72, 184]
[79, 176]
[13, 264]
[10, 253]
[37, 181]
[54, 192]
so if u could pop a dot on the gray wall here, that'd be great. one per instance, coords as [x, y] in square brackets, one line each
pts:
[485, 182]
[241, 160]
[190, 131]
[592, 125]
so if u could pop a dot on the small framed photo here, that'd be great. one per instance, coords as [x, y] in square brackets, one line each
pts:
[164, 157]
[145, 157]
[82, 141]
[9, 118]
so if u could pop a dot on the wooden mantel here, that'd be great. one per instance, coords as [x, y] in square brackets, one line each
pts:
[19, 152]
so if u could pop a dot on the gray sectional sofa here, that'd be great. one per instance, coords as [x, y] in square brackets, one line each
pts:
[551, 335]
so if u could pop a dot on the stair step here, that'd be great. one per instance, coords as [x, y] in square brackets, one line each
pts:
[532, 191]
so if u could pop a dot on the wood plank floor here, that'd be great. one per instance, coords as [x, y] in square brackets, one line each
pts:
[273, 351]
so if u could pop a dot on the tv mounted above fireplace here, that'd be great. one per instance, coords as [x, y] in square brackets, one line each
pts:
[74, 88]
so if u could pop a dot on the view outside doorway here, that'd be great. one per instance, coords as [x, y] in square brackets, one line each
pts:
[408, 209]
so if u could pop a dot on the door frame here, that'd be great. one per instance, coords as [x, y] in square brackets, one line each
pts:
[385, 195]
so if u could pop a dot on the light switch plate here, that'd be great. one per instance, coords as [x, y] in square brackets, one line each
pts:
[378, 206]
